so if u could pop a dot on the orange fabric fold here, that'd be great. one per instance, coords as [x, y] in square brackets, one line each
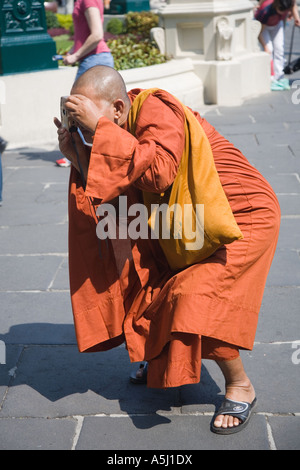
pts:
[124, 290]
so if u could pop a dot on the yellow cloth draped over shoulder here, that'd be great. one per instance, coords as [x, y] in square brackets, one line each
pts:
[199, 218]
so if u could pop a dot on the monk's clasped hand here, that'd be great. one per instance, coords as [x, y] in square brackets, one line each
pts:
[65, 143]
[84, 111]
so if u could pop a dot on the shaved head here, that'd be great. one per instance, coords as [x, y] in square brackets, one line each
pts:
[100, 91]
[104, 82]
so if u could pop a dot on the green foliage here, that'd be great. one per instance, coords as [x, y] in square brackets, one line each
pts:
[115, 26]
[134, 49]
[141, 22]
[131, 50]
[51, 20]
[128, 53]
[65, 21]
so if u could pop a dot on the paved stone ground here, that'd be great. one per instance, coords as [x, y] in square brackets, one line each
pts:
[52, 397]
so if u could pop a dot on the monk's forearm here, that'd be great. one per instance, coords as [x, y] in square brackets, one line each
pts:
[119, 160]
[161, 173]
[111, 169]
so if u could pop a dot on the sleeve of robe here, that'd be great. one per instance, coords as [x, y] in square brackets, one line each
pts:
[149, 160]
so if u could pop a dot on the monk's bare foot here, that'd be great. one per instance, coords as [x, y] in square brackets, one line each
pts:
[238, 388]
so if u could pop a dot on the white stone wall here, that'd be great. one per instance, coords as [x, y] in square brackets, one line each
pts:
[220, 37]
[32, 100]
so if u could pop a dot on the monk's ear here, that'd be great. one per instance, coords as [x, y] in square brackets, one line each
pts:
[119, 108]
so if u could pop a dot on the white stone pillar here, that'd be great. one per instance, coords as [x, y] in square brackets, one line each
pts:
[218, 35]
[69, 6]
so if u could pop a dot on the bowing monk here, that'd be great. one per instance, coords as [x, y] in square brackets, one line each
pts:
[123, 288]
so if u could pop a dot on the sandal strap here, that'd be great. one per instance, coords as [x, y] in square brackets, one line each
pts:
[240, 409]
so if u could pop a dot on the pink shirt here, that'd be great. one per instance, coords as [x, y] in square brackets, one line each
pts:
[268, 15]
[81, 27]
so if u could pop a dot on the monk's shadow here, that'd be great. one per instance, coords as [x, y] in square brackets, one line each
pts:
[35, 154]
[49, 377]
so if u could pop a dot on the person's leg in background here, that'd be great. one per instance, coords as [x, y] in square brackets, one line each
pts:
[278, 50]
[276, 34]
[269, 45]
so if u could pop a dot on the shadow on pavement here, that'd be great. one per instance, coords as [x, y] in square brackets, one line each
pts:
[61, 381]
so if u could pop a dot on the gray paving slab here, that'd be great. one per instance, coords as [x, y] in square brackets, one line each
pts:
[276, 392]
[26, 157]
[58, 381]
[278, 136]
[35, 174]
[28, 272]
[34, 195]
[289, 234]
[286, 183]
[177, 433]
[289, 204]
[36, 318]
[286, 432]
[270, 164]
[285, 269]
[278, 320]
[37, 434]
[61, 280]
[19, 210]
[275, 389]
[7, 370]
[27, 239]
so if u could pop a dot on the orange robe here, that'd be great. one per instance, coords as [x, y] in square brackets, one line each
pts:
[123, 290]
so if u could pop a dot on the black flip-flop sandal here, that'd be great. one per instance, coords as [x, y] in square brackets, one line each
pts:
[140, 380]
[239, 409]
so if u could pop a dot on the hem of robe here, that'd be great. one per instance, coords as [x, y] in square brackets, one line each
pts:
[148, 331]
[194, 324]
[170, 370]
[181, 317]
[188, 372]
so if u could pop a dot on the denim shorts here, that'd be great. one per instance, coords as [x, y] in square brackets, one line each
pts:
[104, 58]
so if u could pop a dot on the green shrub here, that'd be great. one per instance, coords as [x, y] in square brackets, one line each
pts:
[141, 22]
[65, 21]
[51, 20]
[115, 26]
[71, 29]
[128, 53]
[131, 50]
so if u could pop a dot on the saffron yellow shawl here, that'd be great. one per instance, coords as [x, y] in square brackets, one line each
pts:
[198, 215]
